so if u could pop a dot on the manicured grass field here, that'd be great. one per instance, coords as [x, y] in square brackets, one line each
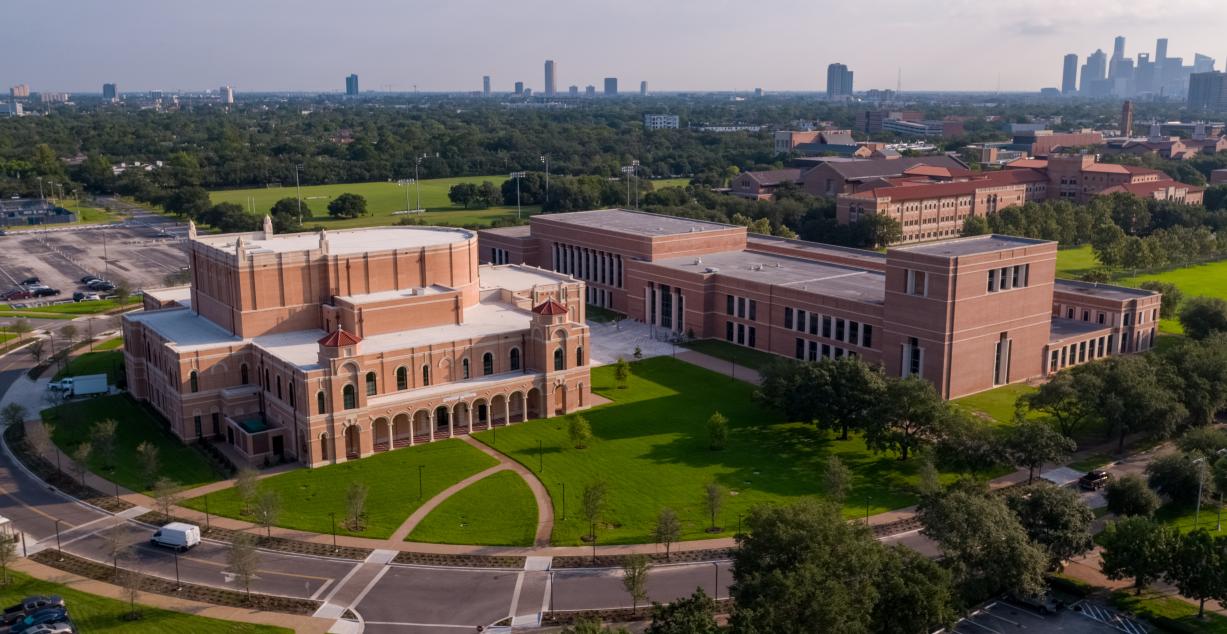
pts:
[670, 182]
[498, 510]
[92, 613]
[74, 423]
[68, 310]
[651, 448]
[1181, 615]
[309, 495]
[996, 404]
[602, 315]
[1073, 262]
[382, 198]
[109, 344]
[1181, 517]
[1200, 279]
[748, 357]
[100, 361]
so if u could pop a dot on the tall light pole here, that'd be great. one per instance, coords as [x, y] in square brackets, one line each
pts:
[627, 169]
[635, 173]
[40, 189]
[517, 176]
[298, 188]
[406, 183]
[1201, 477]
[545, 158]
[416, 179]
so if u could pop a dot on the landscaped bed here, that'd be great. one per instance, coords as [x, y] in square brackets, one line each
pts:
[498, 510]
[309, 495]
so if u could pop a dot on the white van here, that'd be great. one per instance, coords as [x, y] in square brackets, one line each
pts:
[177, 535]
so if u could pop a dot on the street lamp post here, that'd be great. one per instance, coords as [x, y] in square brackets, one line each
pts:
[417, 179]
[1201, 477]
[716, 589]
[332, 517]
[635, 173]
[178, 584]
[627, 169]
[58, 548]
[298, 189]
[420, 467]
[545, 158]
[517, 176]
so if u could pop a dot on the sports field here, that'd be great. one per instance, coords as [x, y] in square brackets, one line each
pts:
[382, 200]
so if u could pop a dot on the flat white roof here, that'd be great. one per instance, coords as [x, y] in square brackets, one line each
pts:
[344, 241]
[170, 293]
[184, 329]
[516, 278]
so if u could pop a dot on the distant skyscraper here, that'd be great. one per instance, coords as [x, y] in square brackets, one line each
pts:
[109, 92]
[1069, 77]
[1093, 70]
[20, 91]
[351, 85]
[1126, 119]
[485, 85]
[519, 88]
[1208, 91]
[643, 88]
[1160, 50]
[1118, 47]
[590, 91]
[839, 81]
[227, 94]
[611, 86]
[1202, 63]
[573, 91]
[549, 77]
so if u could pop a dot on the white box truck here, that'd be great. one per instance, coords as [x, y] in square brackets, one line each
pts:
[177, 535]
[83, 385]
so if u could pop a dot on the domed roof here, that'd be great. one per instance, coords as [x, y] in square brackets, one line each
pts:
[339, 338]
[550, 307]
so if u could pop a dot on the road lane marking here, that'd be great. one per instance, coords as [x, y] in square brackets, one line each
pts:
[369, 586]
[515, 596]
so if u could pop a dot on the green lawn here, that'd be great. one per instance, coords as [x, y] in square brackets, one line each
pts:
[92, 613]
[602, 315]
[382, 198]
[309, 495]
[74, 423]
[109, 362]
[1199, 279]
[498, 510]
[650, 447]
[1073, 262]
[109, 344]
[746, 357]
[1170, 613]
[1181, 517]
[62, 311]
[996, 404]
[670, 182]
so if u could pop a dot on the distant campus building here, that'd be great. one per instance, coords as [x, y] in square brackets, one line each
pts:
[967, 314]
[325, 347]
[32, 211]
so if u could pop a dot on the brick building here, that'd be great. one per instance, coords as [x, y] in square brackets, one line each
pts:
[762, 185]
[967, 314]
[323, 347]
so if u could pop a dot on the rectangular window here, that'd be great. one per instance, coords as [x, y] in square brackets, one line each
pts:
[1101, 317]
[1128, 319]
[1064, 360]
[1111, 340]
[728, 331]
[826, 326]
[800, 351]
[916, 283]
[839, 330]
[666, 307]
[741, 307]
[992, 280]
[826, 351]
[196, 421]
[867, 336]
[1069, 314]
[753, 310]
[741, 334]
[788, 317]
[813, 323]
[914, 356]
[652, 304]
[854, 333]
[839, 352]
[1004, 277]
[800, 320]
[1018, 277]
[1082, 352]
[813, 351]
[752, 338]
[1052, 365]
[728, 304]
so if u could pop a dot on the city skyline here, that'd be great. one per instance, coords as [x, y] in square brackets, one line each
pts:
[585, 42]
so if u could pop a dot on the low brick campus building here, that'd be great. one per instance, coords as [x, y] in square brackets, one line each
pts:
[967, 314]
[323, 347]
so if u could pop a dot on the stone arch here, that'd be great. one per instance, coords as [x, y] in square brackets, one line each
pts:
[498, 409]
[381, 434]
[481, 413]
[402, 430]
[444, 374]
[462, 417]
[560, 399]
[443, 415]
[325, 446]
[533, 404]
[353, 441]
[516, 404]
[421, 423]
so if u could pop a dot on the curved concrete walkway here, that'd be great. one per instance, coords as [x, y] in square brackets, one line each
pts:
[545, 506]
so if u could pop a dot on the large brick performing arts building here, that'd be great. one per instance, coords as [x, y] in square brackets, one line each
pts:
[323, 347]
[967, 314]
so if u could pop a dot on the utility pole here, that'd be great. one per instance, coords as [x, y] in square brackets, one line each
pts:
[626, 169]
[517, 176]
[298, 187]
[417, 165]
[545, 158]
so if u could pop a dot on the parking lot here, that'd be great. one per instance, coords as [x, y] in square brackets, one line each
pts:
[1002, 616]
[140, 255]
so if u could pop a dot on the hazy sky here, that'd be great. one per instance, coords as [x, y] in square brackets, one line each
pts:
[76, 45]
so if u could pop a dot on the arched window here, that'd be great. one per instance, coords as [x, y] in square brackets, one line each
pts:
[278, 387]
[487, 364]
[402, 378]
[464, 366]
[426, 375]
[371, 387]
[319, 402]
[560, 359]
[349, 397]
[243, 374]
[514, 363]
[579, 356]
[193, 381]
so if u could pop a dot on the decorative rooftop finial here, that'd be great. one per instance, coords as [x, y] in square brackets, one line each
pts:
[268, 226]
[240, 249]
[191, 230]
[324, 240]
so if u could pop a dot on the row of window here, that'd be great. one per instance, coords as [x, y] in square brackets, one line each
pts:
[837, 328]
[669, 300]
[807, 350]
[1071, 312]
[499, 256]
[587, 264]
[740, 307]
[741, 334]
[1007, 277]
[1076, 353]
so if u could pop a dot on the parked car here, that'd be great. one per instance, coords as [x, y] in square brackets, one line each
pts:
[14, 613]
[31, 281]
[100, 285]
[1094, 480]
[80, 296]
[48, 615]
[177, 535]
[17, 293]
[52, 628]
[46, 292]
[89, 278]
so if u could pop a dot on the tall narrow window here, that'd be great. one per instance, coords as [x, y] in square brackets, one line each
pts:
[560, 359]
[464, 368]
[349, 397]
[278, 387]
[371, 384]
[319, 402]
[514, 359]
[243, 374]
[402, 378]
[487, 364]
[579, 356]
[425, 375]
[193, 381]
[788, 317]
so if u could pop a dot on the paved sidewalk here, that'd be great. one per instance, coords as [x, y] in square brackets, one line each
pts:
[727, 368]
[545, 504]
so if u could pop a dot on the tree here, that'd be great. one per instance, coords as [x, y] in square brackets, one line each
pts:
[488, 193]
[38, 436]
[286, 215]
[668, 529]
[849, 391]
[915, 594]
[463, 194]
[21, 328]
[717, 431]
[591, 626]
[266, 510]
[976, 226]
[132, 582]
[966, 444]
[1129, 495]
[245, 483]
[1032, 443]
[1136, 547]
[244, 560]
[36, 350]
[713, 499]
[802, 568]
[1055, 518]
[592, 504]
[1180, 476]
[983, 544]
[166, 493]
[69, 334]
[347, 206]
[1063, 399]
[80, 459]
[579, 431]
[1131, 399]
[13, 414]
[1207, 441]
[1197, 374]
[189, 202]
[1203, 316]
[695, 614]
[836, 480]
[8, 553]
[355, 505]
[1172, 296]
[1196, 567]
[909, 415]
[103, 437]
[635, 579]
[147, 454]
[622, 373]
